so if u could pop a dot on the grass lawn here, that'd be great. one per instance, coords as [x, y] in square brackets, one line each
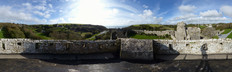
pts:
[229, 36]
[215, 37]
[1, 34]
[226, 31]
[146, 37]
[92, 37]
[152, 25]
[202, 26]
[42, 36]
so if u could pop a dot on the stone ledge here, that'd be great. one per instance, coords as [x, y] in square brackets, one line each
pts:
[193, 57]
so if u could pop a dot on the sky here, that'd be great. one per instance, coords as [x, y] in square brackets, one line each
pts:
[116, 12]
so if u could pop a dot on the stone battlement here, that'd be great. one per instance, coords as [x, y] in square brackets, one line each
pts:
[128, 48]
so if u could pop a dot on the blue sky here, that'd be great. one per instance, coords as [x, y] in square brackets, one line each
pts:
[116, 12]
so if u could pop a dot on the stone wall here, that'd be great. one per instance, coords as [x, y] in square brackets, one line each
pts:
[57, 46]
[180, 33]
[215, 46]
[193, 33]
[158, 33]
[141, 47]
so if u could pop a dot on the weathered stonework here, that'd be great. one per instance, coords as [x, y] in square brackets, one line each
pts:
[57, 46]
[193, 33]
[180, 32]
[136, 49]
[130, 48]
[215, 46]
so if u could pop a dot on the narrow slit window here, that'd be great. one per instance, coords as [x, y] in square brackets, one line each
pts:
[3, 46]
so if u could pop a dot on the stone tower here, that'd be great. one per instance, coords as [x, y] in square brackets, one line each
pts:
[180, 33]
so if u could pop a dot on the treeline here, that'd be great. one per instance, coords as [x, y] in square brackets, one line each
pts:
[159, 27]
[56, 31]
[222, 26]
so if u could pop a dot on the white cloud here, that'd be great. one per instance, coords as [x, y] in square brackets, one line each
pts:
[187, 8]
[186, 16]
[210, 13]
[227, 10]
[58, 20]
[45, 14]
[107, 14]
[39, 13]
[42, 8]
[50, 5]
[157, 20]
[145, 6]
[7, 14]
[206, 20]
[27, 5]
[204, 17]
[146, 13]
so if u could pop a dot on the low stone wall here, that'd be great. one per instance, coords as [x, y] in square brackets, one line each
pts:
[129, 48]
[215, 46]
[57, 46]
[158, 33]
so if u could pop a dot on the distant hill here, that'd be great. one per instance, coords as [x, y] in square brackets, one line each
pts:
[53, 31]
[159, 27]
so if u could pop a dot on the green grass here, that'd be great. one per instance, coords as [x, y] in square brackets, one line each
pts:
[92, 37]
[152, 25]
[146, 37]
[226, 31]
[1, 34]
[42, 36]
[202, 26]
[84, 33]
[215, 37]
[229, 36]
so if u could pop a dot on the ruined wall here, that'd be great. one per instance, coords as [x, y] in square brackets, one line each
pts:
[136, 46]
[158, 33]
[215, 46]
[57, 46]
[193, 33]
[180, 33]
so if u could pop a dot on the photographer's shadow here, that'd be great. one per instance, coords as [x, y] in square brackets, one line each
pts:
[204, 64]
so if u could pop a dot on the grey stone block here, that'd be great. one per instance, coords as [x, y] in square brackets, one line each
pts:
[136, 49]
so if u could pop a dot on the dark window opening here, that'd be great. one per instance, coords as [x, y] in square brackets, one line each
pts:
[221, 43]
[51, 44]
[19, 44]
[37, 46]
[187, 44]
[170, 47]
[67, 47]
[3, 46]
[201, 37]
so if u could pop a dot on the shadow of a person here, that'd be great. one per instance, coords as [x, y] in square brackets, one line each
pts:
[204, 64]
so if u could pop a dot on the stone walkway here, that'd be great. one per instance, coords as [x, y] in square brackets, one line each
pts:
[194, 57]
[109, 56]
[35, 65]
[224, 35]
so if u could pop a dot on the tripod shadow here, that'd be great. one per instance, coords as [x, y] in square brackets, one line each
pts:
[204, 64]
